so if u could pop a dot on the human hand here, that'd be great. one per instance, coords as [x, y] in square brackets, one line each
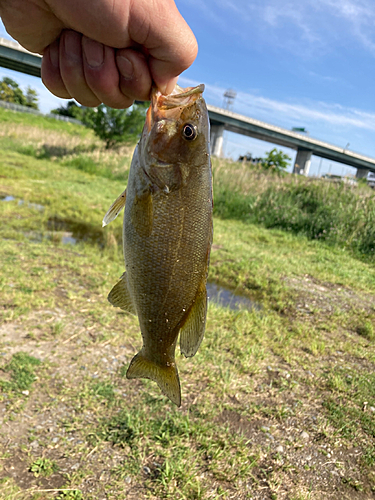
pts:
[103, 50]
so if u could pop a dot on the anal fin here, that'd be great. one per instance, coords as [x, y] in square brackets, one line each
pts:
[192, 331]
[114, 209]
[120, 297]
[165, 376]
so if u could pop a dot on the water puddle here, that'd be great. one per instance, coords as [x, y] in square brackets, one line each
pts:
[28, 204]
[227, 298]
[35, 206]
[68, 239]
[70, 232]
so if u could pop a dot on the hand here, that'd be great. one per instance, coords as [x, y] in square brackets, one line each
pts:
[108, 51]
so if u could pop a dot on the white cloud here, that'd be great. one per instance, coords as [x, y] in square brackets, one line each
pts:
[304, 27]
[313, 114]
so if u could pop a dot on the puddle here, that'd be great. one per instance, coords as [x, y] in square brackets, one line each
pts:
[70, 232]
[35, 206]
[64, 237]
[226, 298]
[68, 239]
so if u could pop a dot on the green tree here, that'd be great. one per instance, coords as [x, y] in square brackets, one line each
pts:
[71, 109]
[116, 125]
[10, 92]
[31, 98]
[276, 160]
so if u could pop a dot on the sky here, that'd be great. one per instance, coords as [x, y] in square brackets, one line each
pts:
[292, 63]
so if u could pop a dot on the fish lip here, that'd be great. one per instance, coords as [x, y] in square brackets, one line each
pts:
[177, 99]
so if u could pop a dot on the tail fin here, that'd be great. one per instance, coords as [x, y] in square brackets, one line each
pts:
[165, 376]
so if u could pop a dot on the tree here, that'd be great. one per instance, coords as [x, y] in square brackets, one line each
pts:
[276, 160]
[32, 98]
[10, 91]
[116, 125]
[71, 109]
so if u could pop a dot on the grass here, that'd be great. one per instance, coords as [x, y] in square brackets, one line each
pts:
[73, 427]
[43, 467]
[21, 369]
[339, 214]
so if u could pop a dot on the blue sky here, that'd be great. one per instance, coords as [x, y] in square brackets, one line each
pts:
[293, 63]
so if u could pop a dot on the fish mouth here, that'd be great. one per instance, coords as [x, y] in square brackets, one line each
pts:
[170, 106]
[179, 97]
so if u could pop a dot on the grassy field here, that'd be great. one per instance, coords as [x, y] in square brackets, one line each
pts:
[279, 402]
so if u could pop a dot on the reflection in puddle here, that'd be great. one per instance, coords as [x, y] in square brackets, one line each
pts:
[63, 237]
[226, 298]
[67, 232]
[72, 232]
[35, 206]
[68, 239]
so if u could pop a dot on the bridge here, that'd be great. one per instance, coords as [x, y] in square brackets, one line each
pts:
[15, 57]
[222, 119]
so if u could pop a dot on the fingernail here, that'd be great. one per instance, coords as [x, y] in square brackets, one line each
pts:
[94, 52]
[167, 88]
[54, 54]
[125, 67]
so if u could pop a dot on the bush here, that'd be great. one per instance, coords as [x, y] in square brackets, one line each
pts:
[336, 213]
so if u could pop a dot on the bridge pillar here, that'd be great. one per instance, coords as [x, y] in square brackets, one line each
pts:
[362, 173]
[302, 162]
[216, 139]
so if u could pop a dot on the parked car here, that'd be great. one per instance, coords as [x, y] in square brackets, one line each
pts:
[371, 179]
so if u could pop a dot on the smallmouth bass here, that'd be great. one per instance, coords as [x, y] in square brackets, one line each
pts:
[167, 235]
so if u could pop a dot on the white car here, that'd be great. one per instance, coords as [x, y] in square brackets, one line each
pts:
[371, 179]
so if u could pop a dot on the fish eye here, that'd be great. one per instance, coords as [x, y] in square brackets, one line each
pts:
[189, 132]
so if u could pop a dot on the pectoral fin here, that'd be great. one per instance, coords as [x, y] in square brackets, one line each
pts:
[120, 297]
[115, 209]
[165, 376]
[192, 331]
[142, 214]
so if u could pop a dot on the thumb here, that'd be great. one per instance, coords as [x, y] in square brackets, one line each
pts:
[168, 40]
[171, 61]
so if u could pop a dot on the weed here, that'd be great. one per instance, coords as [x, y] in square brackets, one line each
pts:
[366, 330]
[43, 467]
[70, 495]
[21, 369]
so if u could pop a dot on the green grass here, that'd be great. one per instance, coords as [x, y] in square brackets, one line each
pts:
[43, 467]
[74, 427]
[9, 117]
[22, 372]
[341, 215]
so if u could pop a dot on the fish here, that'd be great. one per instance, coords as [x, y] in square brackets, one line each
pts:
[167, 235]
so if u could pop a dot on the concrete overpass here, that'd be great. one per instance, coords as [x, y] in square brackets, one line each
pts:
[222, 119]
[15, 57]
